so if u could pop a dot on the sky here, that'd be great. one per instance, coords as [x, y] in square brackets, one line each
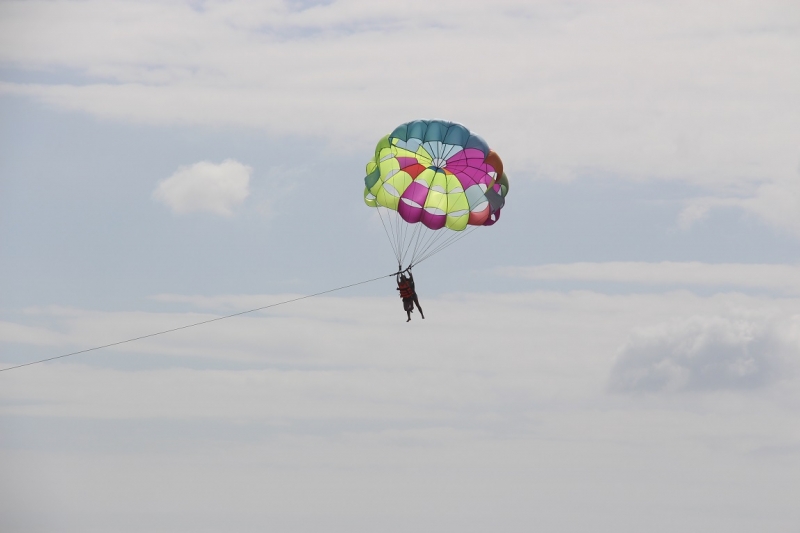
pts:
[620, 352]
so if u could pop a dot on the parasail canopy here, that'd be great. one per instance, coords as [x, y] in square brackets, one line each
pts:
[431, 180]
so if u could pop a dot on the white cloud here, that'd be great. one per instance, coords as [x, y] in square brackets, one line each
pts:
[763, 276]
[11, 332]
[705, 353]
[205, 186]
[344, 356]
[315, 414]
[704, 94]
[692, 213]
[777, 204]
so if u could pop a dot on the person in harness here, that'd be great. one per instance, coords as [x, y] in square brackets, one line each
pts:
[406, 287]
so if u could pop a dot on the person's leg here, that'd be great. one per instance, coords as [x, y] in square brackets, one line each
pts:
[416, 301]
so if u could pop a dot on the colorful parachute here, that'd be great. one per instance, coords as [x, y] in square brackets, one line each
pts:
[438, 177]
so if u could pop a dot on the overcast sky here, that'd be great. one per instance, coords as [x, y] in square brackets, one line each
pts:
[620, 352]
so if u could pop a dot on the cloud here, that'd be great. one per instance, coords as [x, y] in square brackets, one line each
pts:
[303, 413]
[205, 186]
[18, 333]
[708, 99]
[562, 90]
[703, 354]
[762, 276]
[343, 356]
[776, 203]
[692, 213]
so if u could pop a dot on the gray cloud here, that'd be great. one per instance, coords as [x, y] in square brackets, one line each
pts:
[703, 354]
[664, 273]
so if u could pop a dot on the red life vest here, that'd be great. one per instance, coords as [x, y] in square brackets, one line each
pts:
[405, 289]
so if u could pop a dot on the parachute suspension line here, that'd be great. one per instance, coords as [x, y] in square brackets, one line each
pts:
[200, 323]
[387, 231]
[444, 237]
[426, 239]
[449, 242]
[438, 246]
[416, 242]
[390, 232]
[437, 249]
[430, 236]
[401, 229]
[403, 232]
[390, 217]
[419, 243]
[414, 236]
[394, 222]
[409, 238]
[396, 229]
[422, 233]
[435, 237]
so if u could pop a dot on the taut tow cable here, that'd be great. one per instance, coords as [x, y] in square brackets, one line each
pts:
[198, 323]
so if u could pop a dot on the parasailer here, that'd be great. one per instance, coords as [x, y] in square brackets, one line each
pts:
[431, 180]
[408, 292]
